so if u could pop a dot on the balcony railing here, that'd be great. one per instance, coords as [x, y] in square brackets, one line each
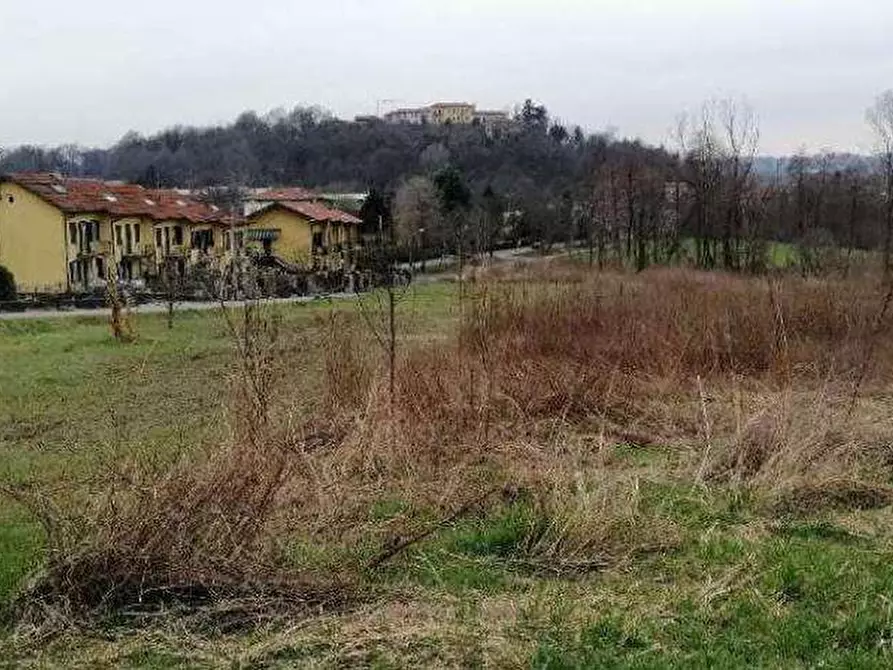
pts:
[174, 250]
[95, 248]
[134, 250]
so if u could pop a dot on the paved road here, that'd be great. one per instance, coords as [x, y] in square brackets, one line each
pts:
[522, 254]
[161, 308]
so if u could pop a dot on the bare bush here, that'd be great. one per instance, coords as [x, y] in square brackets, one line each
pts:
[194, 533]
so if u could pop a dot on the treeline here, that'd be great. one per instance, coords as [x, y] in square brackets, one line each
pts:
[710, 203]
[711, 199]
[308, 146]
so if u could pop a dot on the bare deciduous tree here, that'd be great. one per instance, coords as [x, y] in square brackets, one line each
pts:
[880, 118]
[417, 220]
[718, 148]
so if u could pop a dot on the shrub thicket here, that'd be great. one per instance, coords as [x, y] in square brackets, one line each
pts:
[7, 284]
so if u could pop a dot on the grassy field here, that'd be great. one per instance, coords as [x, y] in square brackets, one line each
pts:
[669, 470]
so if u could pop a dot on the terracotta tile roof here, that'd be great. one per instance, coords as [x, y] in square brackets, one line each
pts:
[295, 193]
[77, 195]
[313, 211]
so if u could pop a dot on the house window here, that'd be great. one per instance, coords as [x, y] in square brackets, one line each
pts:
[178, 235]
[73, 233]
[136, 233]
[100, 269]
[96, 230]
[158, 237]
[240, 239]
[11, 200]
[317, 242]
[202, 239]
[118, 235]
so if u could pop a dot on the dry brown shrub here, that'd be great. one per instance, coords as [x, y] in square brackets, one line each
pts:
[195, 533]
[627, 352]
[348, 365]
[640, 358]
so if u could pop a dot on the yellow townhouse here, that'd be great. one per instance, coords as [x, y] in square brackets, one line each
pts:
[301, 231]
[61, 234]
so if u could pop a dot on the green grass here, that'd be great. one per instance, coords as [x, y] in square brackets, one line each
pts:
[786, 602]
[21, 541]
[472, 555]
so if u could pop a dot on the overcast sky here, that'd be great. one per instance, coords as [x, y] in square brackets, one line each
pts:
[90, 70]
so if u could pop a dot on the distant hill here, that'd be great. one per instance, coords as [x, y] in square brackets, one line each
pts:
[310, 147]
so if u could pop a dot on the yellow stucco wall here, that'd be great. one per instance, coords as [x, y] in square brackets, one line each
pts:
[295, 234]
[144, 225]
[32, 241]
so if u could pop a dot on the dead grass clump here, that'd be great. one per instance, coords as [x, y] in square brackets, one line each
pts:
[348, 371]
[591, 522]
[832, 495]
[684, 324]
[802, 451]
[192, 535]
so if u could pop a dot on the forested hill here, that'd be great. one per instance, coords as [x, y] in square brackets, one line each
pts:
[308, 146]
[619, 196]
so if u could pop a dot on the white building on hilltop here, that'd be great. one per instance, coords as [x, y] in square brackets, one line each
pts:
[455, 113]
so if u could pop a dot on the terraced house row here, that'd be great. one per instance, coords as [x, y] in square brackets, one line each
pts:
[60, 234]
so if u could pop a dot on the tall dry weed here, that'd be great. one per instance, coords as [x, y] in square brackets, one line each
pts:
[648, 359]
[626, 350]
